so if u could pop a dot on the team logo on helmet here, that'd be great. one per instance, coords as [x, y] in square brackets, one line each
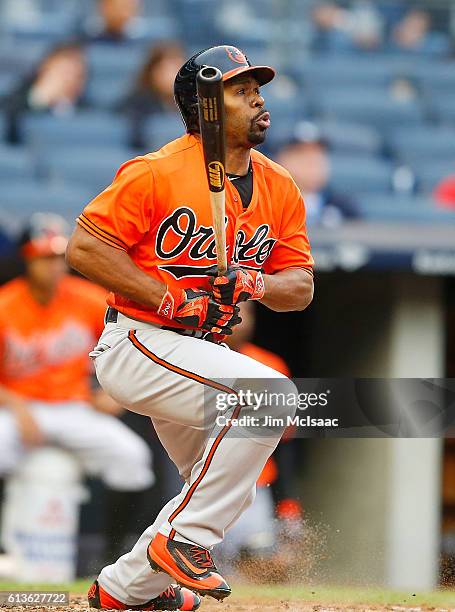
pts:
[236, 55]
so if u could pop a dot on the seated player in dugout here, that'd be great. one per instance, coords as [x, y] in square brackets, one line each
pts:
[148, 238]
[49, 321]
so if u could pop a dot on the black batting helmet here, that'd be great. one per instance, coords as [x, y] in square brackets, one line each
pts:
[230, 60]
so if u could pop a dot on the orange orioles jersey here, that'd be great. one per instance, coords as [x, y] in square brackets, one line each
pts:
[44, 348]
[157, 209]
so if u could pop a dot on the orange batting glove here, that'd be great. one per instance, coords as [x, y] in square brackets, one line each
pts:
[237, 285]
[195, 308]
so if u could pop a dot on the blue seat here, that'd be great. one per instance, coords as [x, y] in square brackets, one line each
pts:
[21, 59]
[435, 75]
[161, 27]
[2, 128]
[443, 107]
[8, 82]
[285, 114]
[206, 33]
[353, 174]
[351, 138]
[429, 173]
[19, 200]
[159, 8]
[370, 106]
[162, 128]
[350, 70]
[84, 128]
[106, 93]
[391, 207]
[15, 163]
[106, 62]
[91, 169]
[423, 142]
[52, 28]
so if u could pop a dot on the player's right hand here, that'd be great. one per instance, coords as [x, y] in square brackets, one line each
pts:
[197, 308]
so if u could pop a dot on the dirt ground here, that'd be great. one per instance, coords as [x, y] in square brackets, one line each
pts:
[79, 604]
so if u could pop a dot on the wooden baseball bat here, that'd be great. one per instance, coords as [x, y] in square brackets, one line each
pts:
[211, 120]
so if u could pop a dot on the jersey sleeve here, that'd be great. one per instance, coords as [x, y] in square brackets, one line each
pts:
[292, 249]
[121, 214]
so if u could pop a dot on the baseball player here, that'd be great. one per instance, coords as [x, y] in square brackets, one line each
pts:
[49, 320]
[148, 237]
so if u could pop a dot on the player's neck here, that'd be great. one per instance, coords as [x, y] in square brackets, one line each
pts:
[237, 160]
[42, 295]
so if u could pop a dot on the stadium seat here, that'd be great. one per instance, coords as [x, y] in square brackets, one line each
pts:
[430, 173]
[443, 107]
[353, 174]
[349, 70]
[206, 33]
[105, 63]
[351, 137]
[21, 59]
[392, 207]
[435, 76]
[91, 169]
[106, 93]
[84, 128]
[7, 84]
[52, 28]
[423, 142]
[15, 163]
[159, 8]
[370, 106]
[163, 128]
[22, 198]
[2, 128]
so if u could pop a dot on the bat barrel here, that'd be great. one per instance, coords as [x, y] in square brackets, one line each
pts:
[211, 120]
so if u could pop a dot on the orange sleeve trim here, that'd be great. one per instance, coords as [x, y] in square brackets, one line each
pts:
[98, 235]
[103, 232]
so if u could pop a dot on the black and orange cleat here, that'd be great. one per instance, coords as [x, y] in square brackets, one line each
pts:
[173, 598]
[189, 564]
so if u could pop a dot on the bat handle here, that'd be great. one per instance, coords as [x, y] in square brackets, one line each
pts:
[217, 201]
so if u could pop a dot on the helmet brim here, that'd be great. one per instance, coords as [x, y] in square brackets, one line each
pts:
[263, 74]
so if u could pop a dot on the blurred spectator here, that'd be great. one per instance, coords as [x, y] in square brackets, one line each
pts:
[306, 158]
[116, 21]
[154, 89]
[444, 194]
[49, 321]
[57, 86]
[346, 29]
[403, 89]
[413, 33]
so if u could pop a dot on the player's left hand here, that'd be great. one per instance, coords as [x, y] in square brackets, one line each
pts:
[237, 285]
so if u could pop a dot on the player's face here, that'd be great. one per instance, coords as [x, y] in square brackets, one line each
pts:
[247, 120]
[46, 272]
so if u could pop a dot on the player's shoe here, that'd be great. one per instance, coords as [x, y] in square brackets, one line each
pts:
[189, 564]
[173, 598]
